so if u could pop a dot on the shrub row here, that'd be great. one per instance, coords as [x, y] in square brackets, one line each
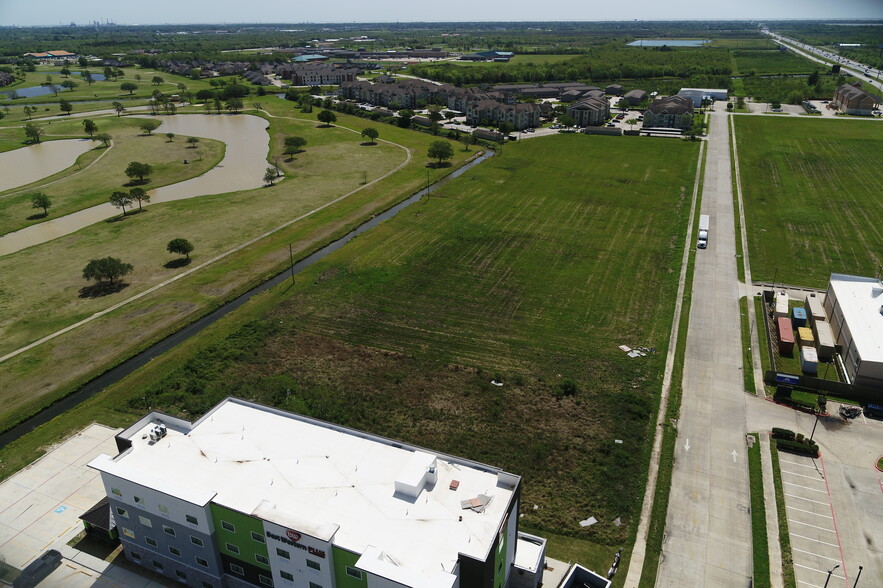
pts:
[783, 434]
[806, 447]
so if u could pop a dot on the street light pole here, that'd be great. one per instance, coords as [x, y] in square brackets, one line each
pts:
[831, 571]
[859, 575]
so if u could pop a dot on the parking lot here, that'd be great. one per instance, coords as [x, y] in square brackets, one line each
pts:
[812, 523]
[40, 508]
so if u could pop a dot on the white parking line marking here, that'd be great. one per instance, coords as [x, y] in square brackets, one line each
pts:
[808, 584]
[819, 571]
[816, 540]
[814, 554]
[805, 487]
[807, 499]
[803, 465]
[813, 526]
[810, 512]
[817, 478]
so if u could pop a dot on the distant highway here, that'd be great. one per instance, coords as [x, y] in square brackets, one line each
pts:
[863, 72]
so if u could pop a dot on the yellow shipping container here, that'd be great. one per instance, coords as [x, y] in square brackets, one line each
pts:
[804, 334]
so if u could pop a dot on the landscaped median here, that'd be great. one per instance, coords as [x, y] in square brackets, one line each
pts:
[784, 536]
[759, 540]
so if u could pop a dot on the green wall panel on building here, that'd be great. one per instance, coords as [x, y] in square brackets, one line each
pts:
[244, 526]
[343, 559]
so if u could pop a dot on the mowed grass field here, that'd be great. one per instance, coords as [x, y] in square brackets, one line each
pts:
[812, 197]
[40, 289]
[771, 62]
[531, 269]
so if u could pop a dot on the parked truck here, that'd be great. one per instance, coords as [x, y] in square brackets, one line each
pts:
[703, 232]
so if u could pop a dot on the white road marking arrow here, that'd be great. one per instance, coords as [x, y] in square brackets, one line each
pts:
[687, 445]
[734, 456]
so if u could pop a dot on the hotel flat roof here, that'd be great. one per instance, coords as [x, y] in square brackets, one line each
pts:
[344, 482]
[861, 300]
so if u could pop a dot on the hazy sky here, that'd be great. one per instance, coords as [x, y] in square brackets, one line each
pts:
[53, 12]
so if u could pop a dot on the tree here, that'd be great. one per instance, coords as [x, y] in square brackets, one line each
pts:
[270, 176]
[118, 106]
[65, 106]
[631, 122]
[775, 105]
[192, 141]
[128, 87]
[90, 127]
[104, 138]
[138, 77]
[69, 84]
[835, 69]
[65, 72]
[156, 81]
[506, 127]
[106, 268]
[234, 105]
[729, 106]
[138, 170]
[566, 120]
[87, 77]
[170, 136]
[29, 110]
[82, 61]
[440, 150]
[180, 246]
[218, 105]
[121, 200]
[405, 117]
[140, 196]
[294, 145]
[33, 132]
[41, 200]
[148, 125]
[109, 73]
[371, 134]
[327, 117]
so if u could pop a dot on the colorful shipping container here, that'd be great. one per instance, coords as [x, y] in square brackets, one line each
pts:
[824, 340]
[786, 336]
[804, 336]
[809, 360]
[782, 305]
[798, 317]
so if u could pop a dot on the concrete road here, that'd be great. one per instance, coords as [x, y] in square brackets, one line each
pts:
[708, 528]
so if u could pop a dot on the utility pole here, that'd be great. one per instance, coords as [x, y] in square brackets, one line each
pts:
[831, 571]
[859, 575]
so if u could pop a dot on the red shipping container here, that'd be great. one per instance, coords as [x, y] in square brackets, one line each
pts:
[786, 336]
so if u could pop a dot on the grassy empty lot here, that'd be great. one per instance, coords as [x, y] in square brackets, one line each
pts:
[812, 197]
[531, 268]
[72, 191]
[41, 284]
[766, 61]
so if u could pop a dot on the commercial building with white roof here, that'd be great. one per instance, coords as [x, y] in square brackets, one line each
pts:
[254, 496]
[855, 307]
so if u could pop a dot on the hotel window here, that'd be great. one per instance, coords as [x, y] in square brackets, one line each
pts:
[168, 530]
[123, 512]
[265, 580]
[181, 574]
[354, 573]
[196, 541]
[128, 533]
[313, 564]
[232, 548]
[314, 585]
[139, 500]
[228, 526]
[191, 519]
[136, 556]
[237, 569]
[286, 576]
[157, 565]
[283, 553]
[145, 521]
[175, 551]
[116, 491]
[163, 508]
[150, 541]
[258, 537]
[261, 559]
[202, 562]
